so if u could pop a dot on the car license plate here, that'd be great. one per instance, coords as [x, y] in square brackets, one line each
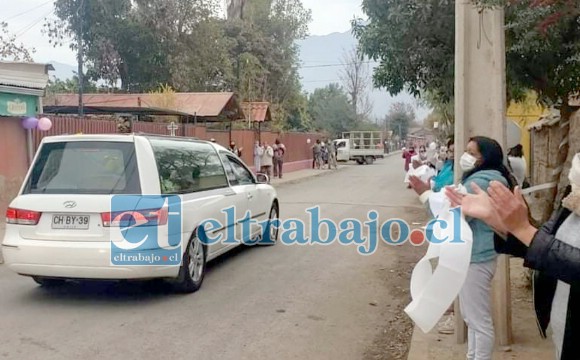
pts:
[74, 222]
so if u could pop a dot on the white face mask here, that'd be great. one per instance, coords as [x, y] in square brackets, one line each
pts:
[467, 162]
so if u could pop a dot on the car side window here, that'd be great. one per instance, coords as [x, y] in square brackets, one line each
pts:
[229, 169]
[242, 174]
[187, 166]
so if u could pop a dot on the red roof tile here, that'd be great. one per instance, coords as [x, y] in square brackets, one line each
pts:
[200, 104]
[260, 111]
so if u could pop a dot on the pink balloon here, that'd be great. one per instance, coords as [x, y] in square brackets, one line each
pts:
[44, 124]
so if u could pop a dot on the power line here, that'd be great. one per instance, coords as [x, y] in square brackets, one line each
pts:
[27, 11]
[318, 81]
[333, 65]
[29, 27]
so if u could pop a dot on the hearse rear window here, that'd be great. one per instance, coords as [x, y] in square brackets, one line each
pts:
[85, 167]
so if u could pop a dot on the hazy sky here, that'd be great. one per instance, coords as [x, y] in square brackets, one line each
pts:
[26, 19]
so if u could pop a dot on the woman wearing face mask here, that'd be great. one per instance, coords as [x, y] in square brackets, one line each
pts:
[416, 161]
[481, 164]
[553, 249]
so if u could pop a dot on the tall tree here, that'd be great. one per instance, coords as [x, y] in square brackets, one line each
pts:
[355, 77]
[400, 118]
[331, 110]
[413, 40]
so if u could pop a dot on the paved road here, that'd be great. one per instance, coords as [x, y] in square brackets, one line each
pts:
[281, 302]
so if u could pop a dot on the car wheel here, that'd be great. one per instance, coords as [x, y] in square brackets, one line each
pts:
[369, 160]
[48, 282]
[270, 235]
[192, 270]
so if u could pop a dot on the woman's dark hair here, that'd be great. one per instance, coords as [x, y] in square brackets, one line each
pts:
[492, 159]
[516, 151]
[450, 142]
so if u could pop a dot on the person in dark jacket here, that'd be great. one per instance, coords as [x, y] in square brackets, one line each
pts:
[552, 250]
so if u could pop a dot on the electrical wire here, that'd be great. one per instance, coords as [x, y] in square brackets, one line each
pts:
[27, 11]
[333, 65]
[29, 27]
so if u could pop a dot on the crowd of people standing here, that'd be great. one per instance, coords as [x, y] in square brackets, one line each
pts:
[483, 167]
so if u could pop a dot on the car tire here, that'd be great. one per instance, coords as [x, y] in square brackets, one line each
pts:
[369, 160]
[271, 233]
[48, 282]
[193, 266]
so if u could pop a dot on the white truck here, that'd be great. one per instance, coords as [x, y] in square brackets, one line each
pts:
[364, 147]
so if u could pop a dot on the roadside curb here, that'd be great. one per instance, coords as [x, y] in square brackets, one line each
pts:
[315, 175]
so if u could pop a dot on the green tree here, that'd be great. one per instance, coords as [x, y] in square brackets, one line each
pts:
[331, 110]
[400, 118]
[413, 40]
[69, 86]
[265, 54]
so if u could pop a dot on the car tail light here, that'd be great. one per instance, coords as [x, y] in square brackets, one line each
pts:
[22, 217]
[154, 217]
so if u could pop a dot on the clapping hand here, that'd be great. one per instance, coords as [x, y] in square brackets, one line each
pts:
[477, 205]
[418, 185]
[513, 210]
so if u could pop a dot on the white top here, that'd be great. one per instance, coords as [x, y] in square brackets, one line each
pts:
[519, 168]
[267, 156]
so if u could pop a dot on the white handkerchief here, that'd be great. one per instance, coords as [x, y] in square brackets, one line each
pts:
[434, 291]
[437, 202]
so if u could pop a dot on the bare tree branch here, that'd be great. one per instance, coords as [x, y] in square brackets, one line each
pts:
[355, 77]
[9, 49]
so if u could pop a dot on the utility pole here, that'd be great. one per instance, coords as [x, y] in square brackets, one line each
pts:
[480, 64]
[80, 57]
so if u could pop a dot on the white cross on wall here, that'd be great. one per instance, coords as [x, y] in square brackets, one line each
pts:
[172, 128]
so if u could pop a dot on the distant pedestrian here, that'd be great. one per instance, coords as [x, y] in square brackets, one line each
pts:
[517, 164]
[267, 159]
[316, 154]
[332, 155]
[235, 150]
[279, 152]
[407, 155]
[258, 152]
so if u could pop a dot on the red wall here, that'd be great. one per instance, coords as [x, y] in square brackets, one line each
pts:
[298, 151]
[13, 160]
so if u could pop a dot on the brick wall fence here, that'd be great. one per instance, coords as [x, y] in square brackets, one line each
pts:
[298, 151]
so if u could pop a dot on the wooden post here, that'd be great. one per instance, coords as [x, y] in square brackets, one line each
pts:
[480, 109]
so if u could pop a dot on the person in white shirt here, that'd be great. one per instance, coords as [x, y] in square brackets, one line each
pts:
[517, 164]
[267, 159]
[258, 152]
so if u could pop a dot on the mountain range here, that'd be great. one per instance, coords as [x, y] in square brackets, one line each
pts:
[321, 58]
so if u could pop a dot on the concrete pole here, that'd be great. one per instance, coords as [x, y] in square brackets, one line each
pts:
[480, 109]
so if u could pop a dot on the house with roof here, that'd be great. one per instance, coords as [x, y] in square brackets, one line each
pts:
[22, 86]
[187, 107]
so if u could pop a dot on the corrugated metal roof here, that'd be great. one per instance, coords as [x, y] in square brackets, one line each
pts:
[259, 111]
[200, 104]
[23, 79]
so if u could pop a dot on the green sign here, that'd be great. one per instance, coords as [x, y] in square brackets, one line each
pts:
[17, 105]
